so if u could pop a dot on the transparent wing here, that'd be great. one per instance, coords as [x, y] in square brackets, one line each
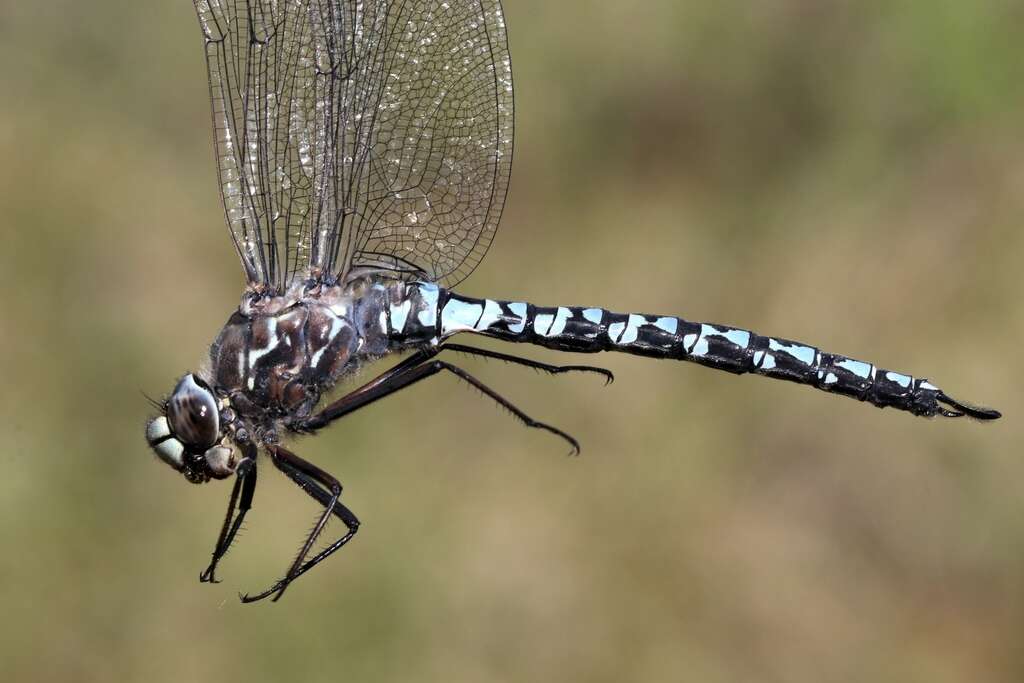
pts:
[359, 133]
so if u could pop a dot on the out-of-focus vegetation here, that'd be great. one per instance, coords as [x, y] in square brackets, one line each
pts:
[846, 173]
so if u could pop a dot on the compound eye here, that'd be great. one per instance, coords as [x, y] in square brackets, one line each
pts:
[192, 414]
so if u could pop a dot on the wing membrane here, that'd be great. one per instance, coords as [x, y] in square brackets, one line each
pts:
[359, 133]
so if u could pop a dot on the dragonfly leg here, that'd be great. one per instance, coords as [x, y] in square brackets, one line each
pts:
[245, 483]
[406, 374]
[536, 365]
[364, 395]
[397, 378]
[323, 488]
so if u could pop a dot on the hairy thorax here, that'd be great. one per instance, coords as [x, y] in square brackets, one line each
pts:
[277, 355]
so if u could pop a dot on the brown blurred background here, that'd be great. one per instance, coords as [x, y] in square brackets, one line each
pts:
[850, 174]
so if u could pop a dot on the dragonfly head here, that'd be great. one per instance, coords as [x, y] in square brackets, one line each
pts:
[188, 436]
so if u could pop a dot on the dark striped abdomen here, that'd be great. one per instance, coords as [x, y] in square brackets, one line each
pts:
[589, 330]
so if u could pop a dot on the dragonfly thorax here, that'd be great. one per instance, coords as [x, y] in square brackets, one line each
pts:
[276, 356]
[269, 366]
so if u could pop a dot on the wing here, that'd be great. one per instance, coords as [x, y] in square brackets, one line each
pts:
[356, 133]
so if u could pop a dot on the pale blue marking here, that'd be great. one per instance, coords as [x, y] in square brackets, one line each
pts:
[830, 378]
[633, 323]
[399, 314]
[459, 316]
[594, 315]
[542, 323]
[758, 357]
[332, 332]
[804, 354]
[701, 347]
[903, 380]
[740, 338]
[491, 316]
[859, 368]
[689, 342]
[615, 331]
[519, 308]
[925, 384]
[561, 317]
[669, 325]
[428, 314]
[272, 342]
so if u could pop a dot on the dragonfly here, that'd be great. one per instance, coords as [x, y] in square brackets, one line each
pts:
[364, 149]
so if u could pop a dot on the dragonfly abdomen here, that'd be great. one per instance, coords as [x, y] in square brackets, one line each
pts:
[441, 313]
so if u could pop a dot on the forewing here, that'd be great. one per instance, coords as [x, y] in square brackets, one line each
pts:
[428, 108]
[360, 133]
[258, 60]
